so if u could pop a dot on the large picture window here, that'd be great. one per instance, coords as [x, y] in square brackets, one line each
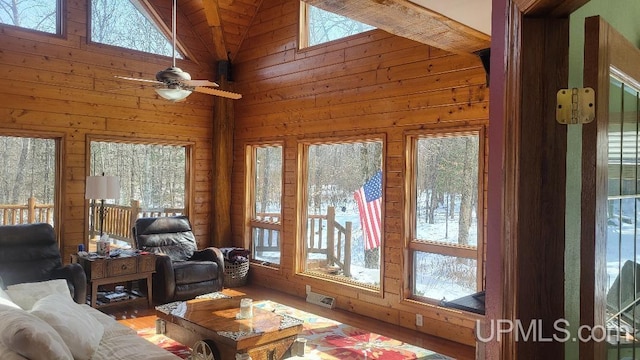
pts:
[445, 202]
[153, 183]
[264, 169]
[28, 180]
[343, 211]
[39, 15]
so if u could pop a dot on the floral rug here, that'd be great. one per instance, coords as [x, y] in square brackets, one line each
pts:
[326, 340]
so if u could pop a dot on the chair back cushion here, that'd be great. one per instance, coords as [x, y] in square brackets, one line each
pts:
[28, 253]
[171, 236]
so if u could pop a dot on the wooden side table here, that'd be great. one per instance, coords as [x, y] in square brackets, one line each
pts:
[106, 270]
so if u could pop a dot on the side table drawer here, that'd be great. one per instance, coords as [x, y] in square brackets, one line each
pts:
[146, 263]
[124, 266]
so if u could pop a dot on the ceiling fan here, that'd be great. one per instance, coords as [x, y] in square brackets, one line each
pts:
[175, 84]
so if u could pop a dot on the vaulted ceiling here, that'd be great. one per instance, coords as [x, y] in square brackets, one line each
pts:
[218, 27]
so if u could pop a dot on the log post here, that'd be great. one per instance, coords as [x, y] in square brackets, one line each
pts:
[223, 124]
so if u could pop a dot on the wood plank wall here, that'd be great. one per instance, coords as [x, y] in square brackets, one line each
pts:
[65, 86]
[373, 83]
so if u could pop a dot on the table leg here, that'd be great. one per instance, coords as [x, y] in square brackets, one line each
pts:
[94, 294]
[149, 291]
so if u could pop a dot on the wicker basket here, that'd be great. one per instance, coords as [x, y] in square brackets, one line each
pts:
[236, 274]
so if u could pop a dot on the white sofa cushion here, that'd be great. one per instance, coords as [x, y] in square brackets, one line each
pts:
[6, 300]
[80, 331]
[26, 294]
[30, 337]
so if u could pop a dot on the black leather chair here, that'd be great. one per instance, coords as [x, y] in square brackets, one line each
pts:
[182, 271]
[30, 253]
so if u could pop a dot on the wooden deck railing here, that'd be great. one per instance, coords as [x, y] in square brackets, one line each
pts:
[324, 236]
[119, 219]
[31, 212]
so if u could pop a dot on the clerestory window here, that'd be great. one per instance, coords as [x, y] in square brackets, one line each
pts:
[39, 15]
[318, 26]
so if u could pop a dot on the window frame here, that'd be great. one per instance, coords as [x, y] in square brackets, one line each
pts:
[250, 209]
[58, 195]
[189, 186]
[302, 212]
[412, 243]
[60, 23]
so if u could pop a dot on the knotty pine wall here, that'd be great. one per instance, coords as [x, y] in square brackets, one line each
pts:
[373, 83]
[65, 86]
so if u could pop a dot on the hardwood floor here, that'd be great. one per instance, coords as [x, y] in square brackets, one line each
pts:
[139, 318]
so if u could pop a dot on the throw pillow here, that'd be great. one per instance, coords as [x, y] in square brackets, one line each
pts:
[26, 294]
[6, 300]
[31, 337]
[80, 331]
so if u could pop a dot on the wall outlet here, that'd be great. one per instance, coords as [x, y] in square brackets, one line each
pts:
[307, 288]
[418, 319]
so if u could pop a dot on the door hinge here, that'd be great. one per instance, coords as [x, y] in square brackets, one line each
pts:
[576, 106]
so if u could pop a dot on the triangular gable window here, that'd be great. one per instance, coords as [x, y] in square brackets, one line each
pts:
[125, 23]
[319, 26]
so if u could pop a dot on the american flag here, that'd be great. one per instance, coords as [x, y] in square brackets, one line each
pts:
[369, 198]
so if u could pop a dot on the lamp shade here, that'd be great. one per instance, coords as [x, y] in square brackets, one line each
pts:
[102, 187]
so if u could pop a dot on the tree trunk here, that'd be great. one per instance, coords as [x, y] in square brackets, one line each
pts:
[466, 199]
[19, 180]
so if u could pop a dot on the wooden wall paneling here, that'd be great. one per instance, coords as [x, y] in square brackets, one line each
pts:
[65, 85]
[372, 83]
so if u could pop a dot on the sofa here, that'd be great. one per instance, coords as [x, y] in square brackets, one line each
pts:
[41, 321]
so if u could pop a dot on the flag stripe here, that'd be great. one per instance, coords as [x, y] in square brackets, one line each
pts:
[368, 198]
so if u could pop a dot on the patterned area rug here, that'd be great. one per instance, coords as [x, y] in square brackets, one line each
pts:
[164, 342]
[326, 340]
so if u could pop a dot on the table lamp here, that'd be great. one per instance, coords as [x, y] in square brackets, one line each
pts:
[101, 188]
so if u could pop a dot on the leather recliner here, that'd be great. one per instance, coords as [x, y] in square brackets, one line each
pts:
[30, 253]
[182, 271]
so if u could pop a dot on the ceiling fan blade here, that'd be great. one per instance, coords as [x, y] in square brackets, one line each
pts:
[210, 91]
[140, 80]
[200, 83]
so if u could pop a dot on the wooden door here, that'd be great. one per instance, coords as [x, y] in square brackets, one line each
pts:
[610, 193]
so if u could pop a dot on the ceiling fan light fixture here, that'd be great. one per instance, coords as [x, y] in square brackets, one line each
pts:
[173, 94]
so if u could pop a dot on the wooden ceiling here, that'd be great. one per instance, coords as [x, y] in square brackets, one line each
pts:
[216, 28]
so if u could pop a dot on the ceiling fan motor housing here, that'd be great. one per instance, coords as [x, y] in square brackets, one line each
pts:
[172, 75]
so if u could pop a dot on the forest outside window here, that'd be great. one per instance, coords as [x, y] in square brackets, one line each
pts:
[445, 244]
[28, 187]
[318, 26]
[39, 15]
[127, 24]
[343, 234]
[153, 183]
[264, 184]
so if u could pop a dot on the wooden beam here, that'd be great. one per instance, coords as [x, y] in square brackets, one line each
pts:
[406, 19]
[212, 12]
[549, 7]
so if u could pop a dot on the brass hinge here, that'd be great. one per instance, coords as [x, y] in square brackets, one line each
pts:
[576, 106]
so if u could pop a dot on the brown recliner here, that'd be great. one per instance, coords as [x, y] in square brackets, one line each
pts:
[182, 271]
[30, 253]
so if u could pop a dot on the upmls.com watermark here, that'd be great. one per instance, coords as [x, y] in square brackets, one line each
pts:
[533, 331]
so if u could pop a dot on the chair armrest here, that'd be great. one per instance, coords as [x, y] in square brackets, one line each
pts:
[76, 278]
[164, 279]
[211, 254]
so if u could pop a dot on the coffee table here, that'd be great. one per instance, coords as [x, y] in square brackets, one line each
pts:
[265, 336]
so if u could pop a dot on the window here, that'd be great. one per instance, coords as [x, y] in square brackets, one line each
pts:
[40, 15]
[343, 212]
[265, 189]
[446, 244]
[318, 26]
[28, 185]
[153, 183]
[125, 23]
